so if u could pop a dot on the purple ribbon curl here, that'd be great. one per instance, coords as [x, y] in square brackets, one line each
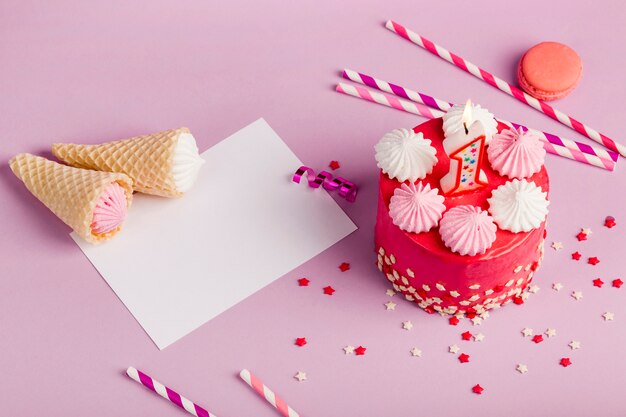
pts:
[346, 189]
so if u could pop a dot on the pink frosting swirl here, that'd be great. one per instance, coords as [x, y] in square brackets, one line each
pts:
[416, 209]
[110, 210]
[515, 153]
[467, 230]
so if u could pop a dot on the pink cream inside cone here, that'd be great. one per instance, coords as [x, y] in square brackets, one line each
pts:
[110, 210]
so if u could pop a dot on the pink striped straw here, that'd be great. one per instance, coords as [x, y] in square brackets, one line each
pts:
[609, 158]
[506, 87]
[167, 393]
[420, 110]
[268, 394]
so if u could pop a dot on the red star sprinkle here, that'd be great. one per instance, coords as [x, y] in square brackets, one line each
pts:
[344, 267]
[360, 351]
[453, 321]
[470, 314]
[301, 341]
[464, 358]
[565, 362]
[334, 165]
[537, 338]
[598, 283]
[477, 389]
[593, 260]
[466, 336]
[303, 282]
[581, 236]
[617, 283]
[329, 290]
[518, 300]
[610, 222]
[576, 256]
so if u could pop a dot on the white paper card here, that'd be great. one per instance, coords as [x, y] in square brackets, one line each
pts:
[180, 262]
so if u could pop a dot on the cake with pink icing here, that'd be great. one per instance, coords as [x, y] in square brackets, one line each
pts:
[462, 210]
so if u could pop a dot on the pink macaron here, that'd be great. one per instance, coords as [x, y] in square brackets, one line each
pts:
[549, 70]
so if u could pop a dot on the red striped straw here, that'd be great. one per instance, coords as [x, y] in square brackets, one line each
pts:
[268, 394]
[609, 157]
[415, 108]
[167, 393]
[502, 85]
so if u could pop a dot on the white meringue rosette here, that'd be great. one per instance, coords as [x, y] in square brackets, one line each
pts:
[416, 208]
[186, 162]
[467, 230]
[405, 155]
[453, 120]
[515, 153]
[518, 206]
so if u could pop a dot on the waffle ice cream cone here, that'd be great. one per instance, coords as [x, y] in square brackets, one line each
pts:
[70, 193]
[164, 163]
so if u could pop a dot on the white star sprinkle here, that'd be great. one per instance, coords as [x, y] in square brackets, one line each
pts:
[557, 245]
[477, 321]
[521, 368]
[608, 316]
[527, 331]
[577, 295]
[557, 286]
[349, 350]
[550, 332]
[586, 231]
[574, 344]
[534, 289]
[407, 325]
[453, 349]
[416, 352]
[390, 292]
[479, 337]
[300, 376]
[484, 315]
[390, 305]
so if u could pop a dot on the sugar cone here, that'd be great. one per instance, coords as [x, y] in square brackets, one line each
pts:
[146, 159]
[70, 193]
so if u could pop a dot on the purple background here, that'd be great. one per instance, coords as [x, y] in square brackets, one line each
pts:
[94, 71]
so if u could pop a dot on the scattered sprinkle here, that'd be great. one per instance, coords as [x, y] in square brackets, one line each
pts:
[416, 352]
[464, 358]
[453, 321]
[537, 338]
[466, 336]
[333, 165]
[576, 256]
[476, 321]
[593, 260]
[577, 295]
[303, 282]
[349, 350]
[344, 267]
[598, 283]
[527, 331]
[565, 362]
[557, 246]
[533, 289]
[557, 286]
[521, 368]
[300, 376]
[581, 236]
[300, 341]
[586, 231]
[608, 316]
[610, 222]
[360, 351]
[617, 283]
[574, 344]
[518, 300]
[390, 305]
[477, 389]
[329, 290]
[453, 349]
[550, 332]
[407, 325]
[390, 292]
[479, 337]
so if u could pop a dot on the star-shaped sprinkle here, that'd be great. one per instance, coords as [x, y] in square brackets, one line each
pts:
[453, 349]
[609, 222]
[476, 321]
[344, 266]
[537, 338]
[479, 337]
[333, 165]
[527, 331]
[565, 362]
[466, 336]
[303, 282]
[453, 320]
[390, 305]
[617, 283]
[464, 358]
[477, 389]
[348, 350]
[300, 341]
[581, 236]
[577, 295]
[608, 316]
[521, 368]
[533, 289]
[407, 325]
[586, 231]
[550, 332]
[593, 260]
[518, 300]
[360, 351]
[557, 245]
[557, 286]
[390, 292]
[598, 283]
[574, 344]
[329, 290]
[300, 376]
[416, 352]
[576, 256]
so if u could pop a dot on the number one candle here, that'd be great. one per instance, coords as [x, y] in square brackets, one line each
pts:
[466, 149]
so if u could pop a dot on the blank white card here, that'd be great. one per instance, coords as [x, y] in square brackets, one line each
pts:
[178, 263]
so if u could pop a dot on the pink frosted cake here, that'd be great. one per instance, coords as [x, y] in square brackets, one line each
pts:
[462, 211]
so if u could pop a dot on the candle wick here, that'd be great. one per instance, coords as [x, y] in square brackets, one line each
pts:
[465, 127]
